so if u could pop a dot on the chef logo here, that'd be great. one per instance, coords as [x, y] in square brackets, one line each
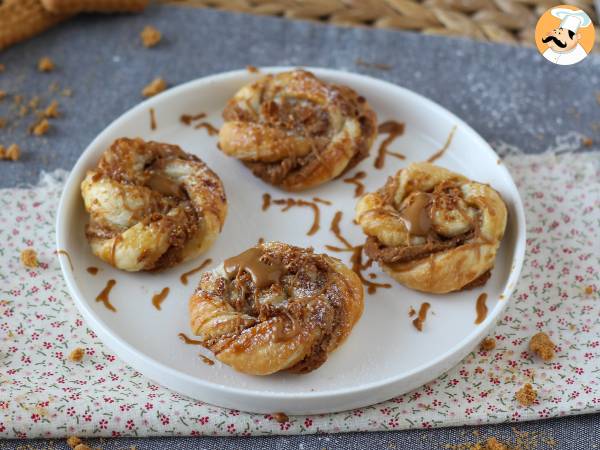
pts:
[564, 35]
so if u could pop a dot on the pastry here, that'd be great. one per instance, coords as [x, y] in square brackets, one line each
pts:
[276, 307]
[296, 131]
[433, 230]
[151, 205]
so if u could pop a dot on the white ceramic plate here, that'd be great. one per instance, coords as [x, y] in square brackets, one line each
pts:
[385, 355]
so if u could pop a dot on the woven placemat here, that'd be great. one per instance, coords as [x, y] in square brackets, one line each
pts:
[507, 21]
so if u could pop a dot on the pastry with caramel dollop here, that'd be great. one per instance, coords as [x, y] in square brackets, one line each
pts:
[296, 131]
[276, 307]
[151, 205]
[433, 230]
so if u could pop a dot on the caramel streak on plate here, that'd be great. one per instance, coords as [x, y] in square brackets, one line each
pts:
[322, 201]
[266, 198]
[442, 150]
[188, 341]
[206, 360]
[66, 253]
[104, 295]
[393, 129]
[187, 119]
[481, 308]
[420, 320]
[92, 270]
[212, 130]
[288, 203]
[184, 276]
[157, 299]
[152, 119]
[356, 181]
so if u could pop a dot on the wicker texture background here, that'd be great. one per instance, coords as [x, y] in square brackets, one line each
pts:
[507, 21]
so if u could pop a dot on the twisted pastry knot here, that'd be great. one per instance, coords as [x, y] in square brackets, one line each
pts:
[433, 230]
[296, 131]
[151, 205]
[276, 307]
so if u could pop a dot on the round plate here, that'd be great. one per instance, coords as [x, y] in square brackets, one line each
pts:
[385, 355]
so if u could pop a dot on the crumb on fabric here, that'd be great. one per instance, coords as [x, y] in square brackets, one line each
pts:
[150, 36]
[155, 87]
[34, 102]
[281, 417]
[29, 258]
[587, 142]
[45, 64]
[541, 345]
[40, 128]
[488, 344]
[526, 396]
[73, 441]
[12, 153]
[51, 110]
[77, 354]
[589, 290]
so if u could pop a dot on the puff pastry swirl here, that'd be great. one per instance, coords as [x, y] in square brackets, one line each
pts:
[433, 230]
[296, 131]
[276, 307]
[151, 205]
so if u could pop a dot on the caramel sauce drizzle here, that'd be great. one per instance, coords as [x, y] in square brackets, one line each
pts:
[481, 308]
[104, 295]
[66, 253]
[152, 119]
[420, 320]
[393, 129]
[113, 248]
[157, 299]
[356, 258]
[416, 215]
[262, 274]
[206, 360]
[187, 119]
[411, 312]
[442, 150]
[92, 270]
[322, 201]
[212, 130]
[356, 181]
[184, 276]
[288, 203]
[188, 341]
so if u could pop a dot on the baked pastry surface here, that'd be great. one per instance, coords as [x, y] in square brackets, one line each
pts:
[151, 205]
[433, 230]
[276, 307]
[296, 131]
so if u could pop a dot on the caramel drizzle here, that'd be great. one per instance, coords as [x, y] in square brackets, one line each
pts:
[113, 248]
[442, 150]
[420, 320]
[212, 130]
[157, 299]
[262, 274]
[356, 181]
[393, 129]
[184, 276]
[411, 312]
[322, 201]
[187, 340]
[66, 253]
[356, 258]
[152, 119]
[104, 295]
[288, 203]
[206, 360]
[187, 119]
[92, 270]
[481, 308]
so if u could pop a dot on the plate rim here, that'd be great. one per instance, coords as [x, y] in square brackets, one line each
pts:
[129, 353]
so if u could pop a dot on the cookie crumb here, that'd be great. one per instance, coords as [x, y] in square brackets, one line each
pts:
[29, 258]
[541, 345]
[526, 396]
[77, 354]
[12, 153]
[494, 444]
[2, 68]
[40, 128]
[589, 290]
[45, 64]
[83, 447]
[51, 110]
[150, 36]
[488, 344]
[281, 417]
[155, 87]
[73, 441]
[252, 69]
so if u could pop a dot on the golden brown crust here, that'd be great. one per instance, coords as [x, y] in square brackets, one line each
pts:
[296, 131]
[433, 230]
[290, 324]
[151, 205]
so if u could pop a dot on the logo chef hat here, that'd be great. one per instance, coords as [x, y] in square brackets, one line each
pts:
[571, 19]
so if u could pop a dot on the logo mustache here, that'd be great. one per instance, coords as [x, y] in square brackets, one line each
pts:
[555, 40]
